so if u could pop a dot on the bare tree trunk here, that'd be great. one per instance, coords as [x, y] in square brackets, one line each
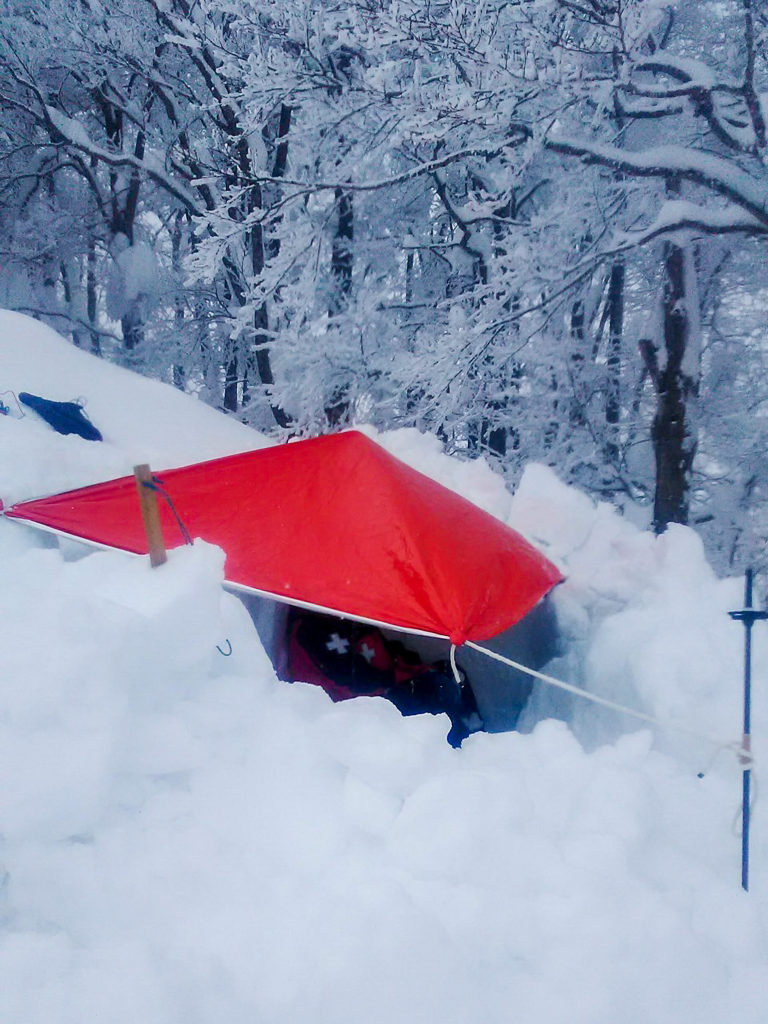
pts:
[497, 434]
[69, 298]
[258, 362]
[577, 414]
[124, 205]
[230, 385]
[91, 295]
[613, 361]
[337, 407]
[672, 432]
[495, 439]
[341, 258]
[132, 324]
[179, 372]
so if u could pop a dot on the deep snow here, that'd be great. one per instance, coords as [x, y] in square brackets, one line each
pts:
[187, 839]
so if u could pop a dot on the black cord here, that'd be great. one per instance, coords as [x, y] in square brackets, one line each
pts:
[156, 486]
[5, 408]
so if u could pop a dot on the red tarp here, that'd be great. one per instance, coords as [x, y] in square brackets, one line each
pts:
[335, 522]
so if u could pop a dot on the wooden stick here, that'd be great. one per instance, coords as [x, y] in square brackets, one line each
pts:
[150, 514]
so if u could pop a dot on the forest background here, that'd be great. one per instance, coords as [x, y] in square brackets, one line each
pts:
[536, 228]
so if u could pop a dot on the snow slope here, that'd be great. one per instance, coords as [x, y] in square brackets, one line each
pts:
[142, 420]
[187, 840]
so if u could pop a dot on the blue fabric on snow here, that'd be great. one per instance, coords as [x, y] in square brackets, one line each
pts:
[64, 417]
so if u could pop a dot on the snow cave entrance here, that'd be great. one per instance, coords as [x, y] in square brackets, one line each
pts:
[353, 660]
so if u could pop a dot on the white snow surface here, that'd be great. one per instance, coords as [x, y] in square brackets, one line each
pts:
[184, 839]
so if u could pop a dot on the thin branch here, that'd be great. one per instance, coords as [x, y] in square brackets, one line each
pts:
[53, 314]
[429, 167]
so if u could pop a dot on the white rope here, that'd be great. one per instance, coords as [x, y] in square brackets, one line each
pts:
[740, 749]
[454, 666]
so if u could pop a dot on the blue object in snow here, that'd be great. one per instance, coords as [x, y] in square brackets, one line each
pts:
[64, 417]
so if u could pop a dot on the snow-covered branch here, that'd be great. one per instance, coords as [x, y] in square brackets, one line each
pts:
[679, 215]
[721, 176]
[427, 167]
[67, 130]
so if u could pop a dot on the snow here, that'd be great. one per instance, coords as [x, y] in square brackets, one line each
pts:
[685, 69]
[68, 127]
[187, 839]
[136, 274]
[142, 420]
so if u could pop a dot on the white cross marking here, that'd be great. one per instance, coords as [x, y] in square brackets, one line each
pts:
[368, 653]
[337, 644]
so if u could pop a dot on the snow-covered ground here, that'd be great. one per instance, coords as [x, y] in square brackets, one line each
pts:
[187, 840]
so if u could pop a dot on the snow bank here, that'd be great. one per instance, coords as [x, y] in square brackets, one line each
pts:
[646, 620]
[187, 839]
[142, 420]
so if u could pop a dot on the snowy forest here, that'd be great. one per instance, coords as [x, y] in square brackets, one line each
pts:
[535, 228]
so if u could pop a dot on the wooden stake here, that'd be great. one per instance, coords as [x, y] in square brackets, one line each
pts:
[150, 514]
